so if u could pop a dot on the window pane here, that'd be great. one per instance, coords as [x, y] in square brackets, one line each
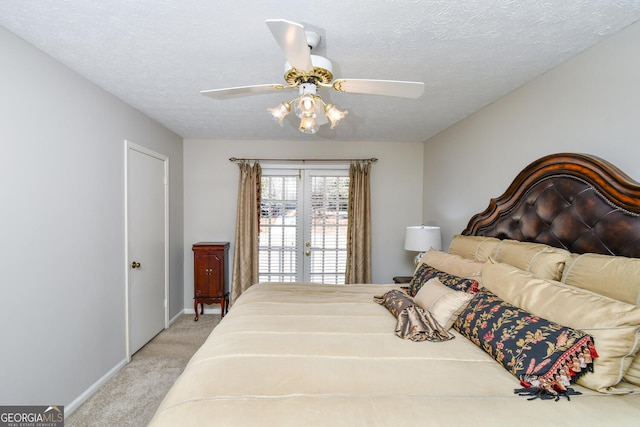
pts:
[329, 203]
[278, 229]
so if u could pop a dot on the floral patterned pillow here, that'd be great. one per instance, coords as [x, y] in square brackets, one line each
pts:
[425, 272]
[540, 353]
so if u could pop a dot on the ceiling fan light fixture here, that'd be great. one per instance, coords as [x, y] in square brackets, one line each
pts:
[305, 106]
[308, 125]
[280, 112]
[312, 111]
[334, 115]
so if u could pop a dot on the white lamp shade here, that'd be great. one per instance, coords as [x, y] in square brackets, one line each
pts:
[421, 238]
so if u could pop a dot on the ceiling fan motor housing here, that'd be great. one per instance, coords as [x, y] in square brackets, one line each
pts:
[322, 72]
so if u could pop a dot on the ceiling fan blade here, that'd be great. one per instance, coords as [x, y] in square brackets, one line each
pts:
[380, 87]
[293, 42]
[241, 90]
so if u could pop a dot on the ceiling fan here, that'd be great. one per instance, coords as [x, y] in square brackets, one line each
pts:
[308, 73]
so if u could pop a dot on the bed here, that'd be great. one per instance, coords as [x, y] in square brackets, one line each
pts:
[561, 246]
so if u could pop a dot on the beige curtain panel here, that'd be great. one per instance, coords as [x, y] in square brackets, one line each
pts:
[359, 228]
[245, 259]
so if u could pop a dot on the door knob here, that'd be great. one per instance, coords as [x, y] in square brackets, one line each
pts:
[307, 253]
[135, 264]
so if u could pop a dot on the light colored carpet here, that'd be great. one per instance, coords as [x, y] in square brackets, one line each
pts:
[133, 394]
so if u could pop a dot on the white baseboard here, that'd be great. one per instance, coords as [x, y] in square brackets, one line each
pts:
[70, 408]
[176, 317]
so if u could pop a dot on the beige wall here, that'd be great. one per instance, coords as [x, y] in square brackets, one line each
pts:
[62, 250]
[211, 185]
[590, 104]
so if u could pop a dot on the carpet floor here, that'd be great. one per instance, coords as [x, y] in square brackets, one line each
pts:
[132, 395]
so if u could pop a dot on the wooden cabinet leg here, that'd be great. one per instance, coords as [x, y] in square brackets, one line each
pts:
[195, 308]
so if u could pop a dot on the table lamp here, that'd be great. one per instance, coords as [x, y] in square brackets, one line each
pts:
[421, 238]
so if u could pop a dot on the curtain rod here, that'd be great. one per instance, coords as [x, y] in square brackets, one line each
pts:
[372, 160]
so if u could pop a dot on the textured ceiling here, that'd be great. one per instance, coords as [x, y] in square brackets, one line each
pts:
[157, 55]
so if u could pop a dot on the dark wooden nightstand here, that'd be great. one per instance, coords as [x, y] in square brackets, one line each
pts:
[402, 279]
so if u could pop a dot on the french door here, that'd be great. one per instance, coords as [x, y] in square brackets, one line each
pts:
[303, 225]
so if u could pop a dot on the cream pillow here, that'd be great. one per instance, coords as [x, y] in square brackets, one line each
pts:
[633, 373]
[614, 325]
[542, 260]
[478, 248]
[453, 264]
[616, 277]
[612, 276]
[442, 302]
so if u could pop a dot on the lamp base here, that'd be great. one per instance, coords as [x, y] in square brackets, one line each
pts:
[417, 259]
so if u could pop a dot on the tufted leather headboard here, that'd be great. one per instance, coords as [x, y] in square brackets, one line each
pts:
[577, 202]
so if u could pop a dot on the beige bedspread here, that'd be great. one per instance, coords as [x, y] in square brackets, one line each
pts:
[294, 354]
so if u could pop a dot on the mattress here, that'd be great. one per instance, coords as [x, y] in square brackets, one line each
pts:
[296, 354]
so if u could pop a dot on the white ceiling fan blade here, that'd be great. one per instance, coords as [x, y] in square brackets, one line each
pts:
[293, 42]
[380, 87]
[242, 90]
